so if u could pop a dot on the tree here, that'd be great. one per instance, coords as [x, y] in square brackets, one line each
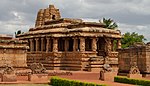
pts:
[131, 38]
[109, 23]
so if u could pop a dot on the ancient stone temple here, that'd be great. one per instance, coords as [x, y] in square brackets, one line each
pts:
[12, 52]
[136, 55]
[70, 44]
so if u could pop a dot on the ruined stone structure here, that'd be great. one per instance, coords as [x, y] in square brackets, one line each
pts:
[137, 55]
[70, 44]
[12, 52]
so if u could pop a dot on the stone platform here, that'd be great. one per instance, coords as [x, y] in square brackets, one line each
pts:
[38, 77]
[9, 78]
[136, 76]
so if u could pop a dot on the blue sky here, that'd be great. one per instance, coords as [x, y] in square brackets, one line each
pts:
[131, 15]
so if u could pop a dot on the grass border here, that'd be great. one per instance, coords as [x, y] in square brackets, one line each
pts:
[57, 81]
[126, 80]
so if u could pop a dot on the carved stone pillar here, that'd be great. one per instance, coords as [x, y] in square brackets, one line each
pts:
[94, 44]
[37, 44]
[42, 44]
[108, 45]
[55, 45]
[119, 43]
[31, 45]
[74, 44]
[48, 44]
[82, 44]
[66, 45]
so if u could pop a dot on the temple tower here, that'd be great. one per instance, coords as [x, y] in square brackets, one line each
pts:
[47, 14]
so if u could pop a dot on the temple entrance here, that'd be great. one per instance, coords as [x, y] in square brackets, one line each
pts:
[61, 44]
[70, 45]
[88, 44]
[101, 47]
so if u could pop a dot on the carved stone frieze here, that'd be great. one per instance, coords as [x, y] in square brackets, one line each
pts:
[37, 68]
[8, 70]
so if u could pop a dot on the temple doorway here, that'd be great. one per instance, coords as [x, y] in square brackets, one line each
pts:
[101, 47]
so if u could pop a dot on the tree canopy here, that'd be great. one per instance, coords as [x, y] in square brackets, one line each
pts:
[131, 38]
[108, 23]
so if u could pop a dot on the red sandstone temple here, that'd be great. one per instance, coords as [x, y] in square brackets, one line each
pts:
[13, 52]
[70, 44]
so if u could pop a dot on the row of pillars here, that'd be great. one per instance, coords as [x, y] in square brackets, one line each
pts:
[39, 43]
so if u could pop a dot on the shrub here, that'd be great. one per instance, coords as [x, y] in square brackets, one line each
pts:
[132, 81]
[56, 81]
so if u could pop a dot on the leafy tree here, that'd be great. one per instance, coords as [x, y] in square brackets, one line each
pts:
[131, 38]
[108, 23]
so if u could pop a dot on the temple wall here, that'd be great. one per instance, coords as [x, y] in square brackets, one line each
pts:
[76, 61]
[13, 52]
[13, 57]
[138, 55]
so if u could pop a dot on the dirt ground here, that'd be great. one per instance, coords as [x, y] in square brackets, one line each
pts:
[92, 77]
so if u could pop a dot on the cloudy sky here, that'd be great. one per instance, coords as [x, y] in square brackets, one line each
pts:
[131, 15]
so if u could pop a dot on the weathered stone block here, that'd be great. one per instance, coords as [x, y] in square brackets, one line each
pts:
[108, 76]
[38, 77]
[137, 76]
[94, 69]
[9, 78]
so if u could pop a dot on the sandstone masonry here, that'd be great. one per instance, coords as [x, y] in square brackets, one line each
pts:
[70, 44]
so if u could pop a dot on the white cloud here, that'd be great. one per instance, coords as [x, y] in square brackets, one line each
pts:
[132, 15]
[90, 20]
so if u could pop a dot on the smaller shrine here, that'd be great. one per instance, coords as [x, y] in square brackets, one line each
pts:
[137, 55]
[12, 52]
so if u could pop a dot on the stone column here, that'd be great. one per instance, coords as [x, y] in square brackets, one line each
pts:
[37, 44]
[94, 44]
[42, 44]
[119, 43]
[50, 45]
[108, 45]
[55, 45]
[74, 44]
[47, 45]
[31, 45]
[112, 45]
[66, 45]
[82, 44]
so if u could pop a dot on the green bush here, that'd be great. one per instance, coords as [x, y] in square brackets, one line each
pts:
[56, 81]
[131, 81]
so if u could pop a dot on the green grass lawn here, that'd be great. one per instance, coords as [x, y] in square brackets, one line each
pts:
[24, 85]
